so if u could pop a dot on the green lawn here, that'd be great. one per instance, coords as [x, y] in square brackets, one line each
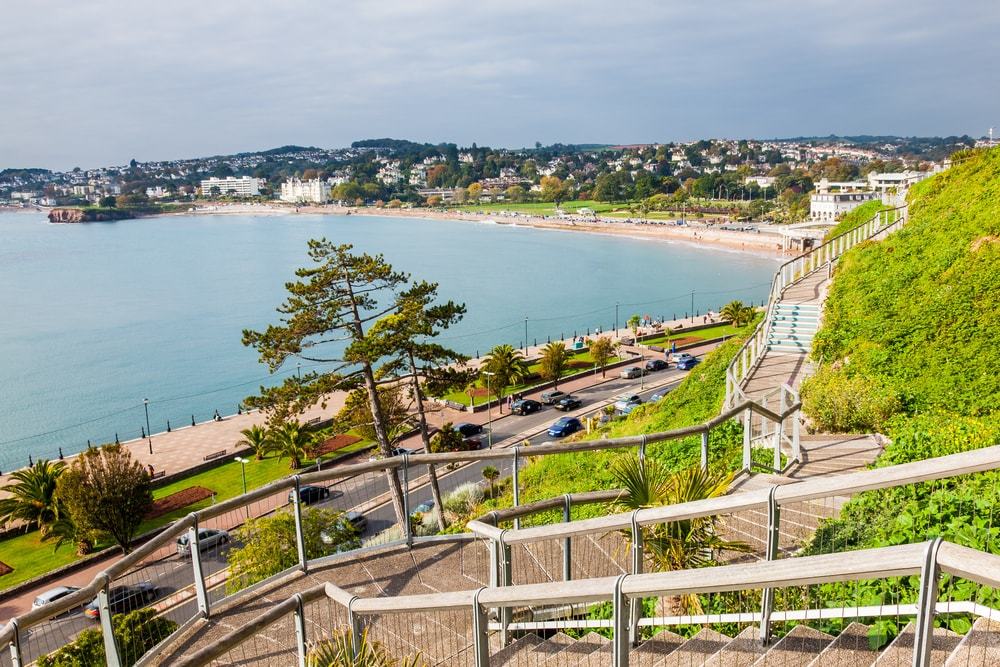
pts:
[30, 557]
[704, 334]
[581, 361]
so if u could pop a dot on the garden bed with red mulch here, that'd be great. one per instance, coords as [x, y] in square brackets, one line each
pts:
[335, 443]
[5, 569]
[178, 500]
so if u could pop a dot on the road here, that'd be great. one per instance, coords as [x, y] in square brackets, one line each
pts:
[172, 573]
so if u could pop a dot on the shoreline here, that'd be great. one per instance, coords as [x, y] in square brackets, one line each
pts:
[695, 234]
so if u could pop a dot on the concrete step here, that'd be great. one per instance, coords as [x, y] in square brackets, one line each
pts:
[796, 649]
[510, 654]
[652, 651]
[979, 647]
[849, 649]
[548, 649]
[574, 654]
[742, 651]
[900, 652]
[697, 650]
[802, 349]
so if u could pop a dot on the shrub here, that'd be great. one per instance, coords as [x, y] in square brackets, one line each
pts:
[841, 403]
[135, 632]
[338, 651]
[463, 499]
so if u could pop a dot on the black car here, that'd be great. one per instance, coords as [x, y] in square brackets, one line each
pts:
[567, 403]
[656, 365]
[525, 406]
[468, 430]
[309, 494]
[123, 599]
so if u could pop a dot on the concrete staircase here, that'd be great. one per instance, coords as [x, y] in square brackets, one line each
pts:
[802, 646]
[793, 326]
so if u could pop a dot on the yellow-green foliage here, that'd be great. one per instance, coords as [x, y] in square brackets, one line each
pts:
[852, 219]
[918, 312]
[840, 402]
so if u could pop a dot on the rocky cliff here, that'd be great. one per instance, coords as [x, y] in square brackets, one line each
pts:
[88, 214]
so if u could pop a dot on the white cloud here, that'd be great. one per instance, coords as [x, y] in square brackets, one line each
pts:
[100, 82]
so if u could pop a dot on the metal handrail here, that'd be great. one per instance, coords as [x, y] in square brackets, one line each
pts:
[752, 350]
[952, 465]
[9, 632]
[925, 559]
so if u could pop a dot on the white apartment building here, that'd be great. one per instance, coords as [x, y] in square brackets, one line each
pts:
[314, 192]
[244, 186]
[828, 205]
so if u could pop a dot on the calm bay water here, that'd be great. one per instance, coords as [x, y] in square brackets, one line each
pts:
[95, 317]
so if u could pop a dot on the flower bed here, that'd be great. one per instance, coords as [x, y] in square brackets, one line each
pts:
[178, 500]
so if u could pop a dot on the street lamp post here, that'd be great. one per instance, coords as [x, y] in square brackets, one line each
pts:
[616, 319]
[489, 410]
[526, 335]
[243, 469]
[298, 370]
[149, 434]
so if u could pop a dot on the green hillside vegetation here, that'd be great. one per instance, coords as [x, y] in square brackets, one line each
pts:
[856, 217]
[909, 346]
[696, 399]
[915, 316]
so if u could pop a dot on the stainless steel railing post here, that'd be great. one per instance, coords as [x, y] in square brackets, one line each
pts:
[300, 538]
[201, 591]
[926, 606]
[107, 629]
[567, 541]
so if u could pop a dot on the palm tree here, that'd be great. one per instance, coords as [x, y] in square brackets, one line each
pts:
[507, 366]
[32, 496]
[63, 530]
[490, 474]
[555, 359]
[258, 439]
[292, 441]
[736, 312]
[677, 545]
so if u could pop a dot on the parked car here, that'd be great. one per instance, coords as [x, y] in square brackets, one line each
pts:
[468, 430]
[623, 401]
[123, 599]
[657, 397]
[631, 373]
[685, 361]
[656, 365]
[357, 520]
[551, 397]
[52, 595]
[310, 494]
[424, 507]
[472, 444]
[208, 538]
[395, 451]
[627, 410]
[525, 406]
[565, 426]
[567, 403]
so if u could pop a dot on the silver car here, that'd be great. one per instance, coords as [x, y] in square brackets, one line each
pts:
[208, 538]
[53, 594]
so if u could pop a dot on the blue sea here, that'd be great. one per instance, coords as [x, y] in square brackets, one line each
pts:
[96, 317]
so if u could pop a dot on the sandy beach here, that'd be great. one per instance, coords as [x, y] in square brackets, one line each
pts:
[694, 232]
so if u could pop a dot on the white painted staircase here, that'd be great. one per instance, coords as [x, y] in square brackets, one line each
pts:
[793, 326]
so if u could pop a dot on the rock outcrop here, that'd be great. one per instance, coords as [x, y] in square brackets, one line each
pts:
[88, 215]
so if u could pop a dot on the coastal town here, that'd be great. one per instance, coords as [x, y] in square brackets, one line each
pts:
[770, 196]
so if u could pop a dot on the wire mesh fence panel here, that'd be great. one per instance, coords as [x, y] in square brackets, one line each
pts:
[275, 644]
[599, 555]
[806, 528]
[248, 544]
[51, 635]
[152, 599]
[742, 535]
[328, 629]
[369, 501]
[426, 637]
[967, 623]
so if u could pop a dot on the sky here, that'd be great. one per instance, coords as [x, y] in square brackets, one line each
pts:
[104, 81]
